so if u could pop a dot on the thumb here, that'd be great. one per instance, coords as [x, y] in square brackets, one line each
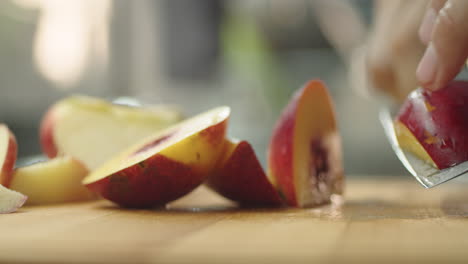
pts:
[447, 49]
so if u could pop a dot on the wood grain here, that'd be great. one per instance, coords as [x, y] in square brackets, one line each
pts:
[382, 220]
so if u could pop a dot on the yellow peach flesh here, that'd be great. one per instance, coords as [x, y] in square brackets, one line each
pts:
[408, 142]
[93, 130]
[320, 125]
[54, 181]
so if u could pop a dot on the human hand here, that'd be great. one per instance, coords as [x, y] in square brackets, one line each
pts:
[393, 49]
[444, 30]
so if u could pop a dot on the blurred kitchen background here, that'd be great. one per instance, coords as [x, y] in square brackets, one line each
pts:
[248, 54]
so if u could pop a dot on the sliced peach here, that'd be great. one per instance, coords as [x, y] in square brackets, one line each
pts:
[434, 125]
[8, 154]
[10, 200]
[304, 156]
[240, 177]
[164, 166]
[93, 130]
[54, 181]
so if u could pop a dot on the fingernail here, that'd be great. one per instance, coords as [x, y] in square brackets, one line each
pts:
[427, 25]
[426, 71]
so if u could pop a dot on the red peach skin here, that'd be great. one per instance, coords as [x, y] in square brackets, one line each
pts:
[240, 177]
[46, 135]
[11, 150]
[439, 122]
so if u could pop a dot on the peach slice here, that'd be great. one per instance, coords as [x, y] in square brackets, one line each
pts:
[8, 154]
[240, 177]
[304, 156]
[93, 130]
[433, 125]
[164, 166]
[10, 200]
[54, 181]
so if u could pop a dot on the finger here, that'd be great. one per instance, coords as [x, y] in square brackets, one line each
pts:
[407, 50]
[379, 54]
[427, 25]
[381, 74]
[448, 48]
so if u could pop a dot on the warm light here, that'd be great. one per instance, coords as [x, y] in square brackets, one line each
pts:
[69, 34]
[62, 41]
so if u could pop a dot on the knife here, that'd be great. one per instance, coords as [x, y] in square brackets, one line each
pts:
[424, 173]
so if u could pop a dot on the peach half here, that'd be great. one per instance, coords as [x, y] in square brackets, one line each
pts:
[434, 125]
[93, 130]
[8, 154]
[164, 166]
[304, 155]
[239, 176]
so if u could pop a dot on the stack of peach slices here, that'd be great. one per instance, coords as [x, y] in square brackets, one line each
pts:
[102, 159]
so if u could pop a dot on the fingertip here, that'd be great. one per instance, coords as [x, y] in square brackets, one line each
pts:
[427, 68]
[430, 87]
[427, 26]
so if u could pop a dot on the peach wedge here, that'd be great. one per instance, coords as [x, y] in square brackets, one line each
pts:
[10, 200]
[8, 153]
[434, 125]
[240, 177]
[93, 130]
[304, 156]
[54, 181]
[164, 166]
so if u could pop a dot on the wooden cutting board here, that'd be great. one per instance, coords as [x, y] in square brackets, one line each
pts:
[383, 220]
